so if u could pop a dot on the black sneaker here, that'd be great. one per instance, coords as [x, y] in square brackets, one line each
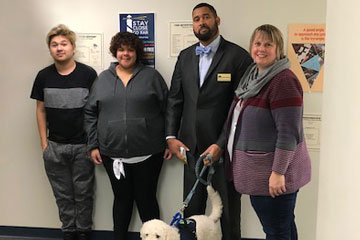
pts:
[69, 235]
[83, 235]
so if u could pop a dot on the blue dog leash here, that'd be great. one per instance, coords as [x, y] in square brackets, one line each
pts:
[179, 215]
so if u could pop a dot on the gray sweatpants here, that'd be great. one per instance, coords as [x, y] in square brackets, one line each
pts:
[71, 175]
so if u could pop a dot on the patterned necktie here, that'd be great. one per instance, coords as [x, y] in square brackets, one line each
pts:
[200, 50]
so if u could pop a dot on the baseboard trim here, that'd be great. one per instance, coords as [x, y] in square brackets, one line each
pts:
[53, 233]
[30, 233]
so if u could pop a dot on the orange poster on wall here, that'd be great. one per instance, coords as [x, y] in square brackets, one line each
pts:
[306, 51]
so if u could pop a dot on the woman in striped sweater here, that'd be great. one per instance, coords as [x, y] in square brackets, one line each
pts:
[266, 152]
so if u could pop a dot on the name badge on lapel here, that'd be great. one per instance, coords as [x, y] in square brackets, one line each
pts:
[224, 77]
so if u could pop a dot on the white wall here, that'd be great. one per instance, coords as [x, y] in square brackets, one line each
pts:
[339, 195]
[26, 198]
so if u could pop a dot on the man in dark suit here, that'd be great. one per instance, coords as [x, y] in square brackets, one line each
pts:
[202, 87]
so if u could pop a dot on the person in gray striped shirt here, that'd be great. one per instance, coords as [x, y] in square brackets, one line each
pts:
[61, 91]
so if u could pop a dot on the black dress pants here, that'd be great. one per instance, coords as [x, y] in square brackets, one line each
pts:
[230, 220]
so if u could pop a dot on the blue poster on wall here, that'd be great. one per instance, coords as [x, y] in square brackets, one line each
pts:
[143, 25]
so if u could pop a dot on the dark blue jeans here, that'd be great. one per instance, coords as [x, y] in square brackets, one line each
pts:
[276, 215]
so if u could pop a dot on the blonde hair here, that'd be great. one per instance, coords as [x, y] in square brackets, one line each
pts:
[61, 30]
[274, 35]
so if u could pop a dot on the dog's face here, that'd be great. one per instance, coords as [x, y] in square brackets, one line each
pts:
[158, 230]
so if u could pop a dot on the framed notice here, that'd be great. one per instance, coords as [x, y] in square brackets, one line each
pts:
[89, 49]
[312, 126]
[306, 51]
[181, 36]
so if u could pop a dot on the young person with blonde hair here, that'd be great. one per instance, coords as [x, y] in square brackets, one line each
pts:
[61, 91]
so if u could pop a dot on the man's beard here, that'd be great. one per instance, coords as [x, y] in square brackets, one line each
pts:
[208, 35]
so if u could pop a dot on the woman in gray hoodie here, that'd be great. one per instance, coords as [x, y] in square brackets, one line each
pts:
[124, 118]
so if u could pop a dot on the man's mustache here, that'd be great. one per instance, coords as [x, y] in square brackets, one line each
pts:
[204, 27]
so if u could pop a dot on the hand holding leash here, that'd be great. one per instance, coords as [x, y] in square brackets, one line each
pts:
[178, 216]
[214, 151]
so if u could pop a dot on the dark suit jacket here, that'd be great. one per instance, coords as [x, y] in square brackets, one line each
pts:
[196, 115]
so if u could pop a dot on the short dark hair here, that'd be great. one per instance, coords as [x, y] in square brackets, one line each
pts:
[211, 8]
[127, 39]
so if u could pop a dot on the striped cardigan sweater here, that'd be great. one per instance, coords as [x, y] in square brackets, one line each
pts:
[269, 137]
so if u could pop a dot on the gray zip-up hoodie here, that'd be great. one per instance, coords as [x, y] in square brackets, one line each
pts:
[127, 121]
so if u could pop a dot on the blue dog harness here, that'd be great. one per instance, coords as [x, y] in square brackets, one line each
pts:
[187, 229]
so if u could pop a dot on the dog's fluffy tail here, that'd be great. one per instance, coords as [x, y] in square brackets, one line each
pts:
[216, 204]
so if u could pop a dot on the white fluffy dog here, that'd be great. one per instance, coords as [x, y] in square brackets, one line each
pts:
[206, 227]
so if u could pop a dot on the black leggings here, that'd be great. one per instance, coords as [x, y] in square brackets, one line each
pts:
[139, 185]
